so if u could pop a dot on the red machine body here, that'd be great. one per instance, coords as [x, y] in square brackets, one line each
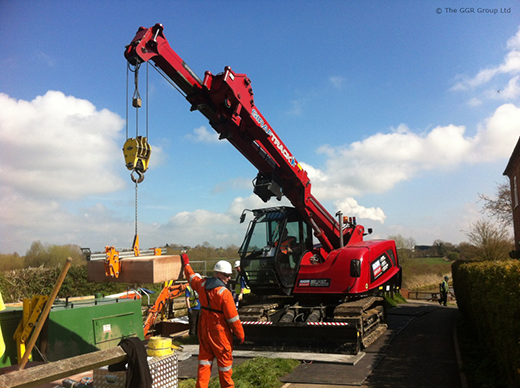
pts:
[377, 263]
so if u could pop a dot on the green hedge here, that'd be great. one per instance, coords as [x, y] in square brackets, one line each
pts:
[24, 283]
[488, 295]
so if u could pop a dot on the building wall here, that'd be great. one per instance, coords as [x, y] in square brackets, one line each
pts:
[515, 181]
[513, 172]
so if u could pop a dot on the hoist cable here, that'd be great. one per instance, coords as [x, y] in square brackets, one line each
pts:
[147, 100]
[126, 100]
[136, 123]
[136, 92]
[135, 97]
[168, 80]
[136, 185]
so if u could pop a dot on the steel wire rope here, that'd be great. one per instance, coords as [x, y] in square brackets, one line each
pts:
[126, 99]
[135, 224]
[135, 97]
[146, 112]
[168, 79]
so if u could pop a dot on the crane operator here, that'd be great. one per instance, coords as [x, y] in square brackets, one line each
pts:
[219, 320]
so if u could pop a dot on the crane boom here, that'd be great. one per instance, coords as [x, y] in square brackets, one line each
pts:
[227, 101]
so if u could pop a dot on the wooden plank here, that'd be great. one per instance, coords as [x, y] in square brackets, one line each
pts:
[33, 377]
[142, 269]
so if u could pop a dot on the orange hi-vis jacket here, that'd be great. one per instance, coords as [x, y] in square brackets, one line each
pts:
[218, 322]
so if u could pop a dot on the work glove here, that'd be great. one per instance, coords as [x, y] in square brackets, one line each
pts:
[240, 297]
[184, 259]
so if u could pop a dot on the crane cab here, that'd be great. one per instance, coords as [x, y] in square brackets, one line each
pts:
[276, 241]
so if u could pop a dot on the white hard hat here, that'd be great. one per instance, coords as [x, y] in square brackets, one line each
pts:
[237, 263]
[223, 266]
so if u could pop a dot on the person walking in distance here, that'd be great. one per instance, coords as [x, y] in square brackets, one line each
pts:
[218, 322]
[444, 289]
[192, 301]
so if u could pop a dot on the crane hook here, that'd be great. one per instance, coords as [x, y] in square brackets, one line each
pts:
[140, 176]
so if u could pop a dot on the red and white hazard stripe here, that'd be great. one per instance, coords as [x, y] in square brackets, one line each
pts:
[308, 323]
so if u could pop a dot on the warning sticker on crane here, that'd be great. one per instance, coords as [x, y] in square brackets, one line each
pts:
[314, 283]
[380, 266]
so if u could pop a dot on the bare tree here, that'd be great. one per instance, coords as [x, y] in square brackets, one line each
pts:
[501, 207]
[404, 246]
[491, 241]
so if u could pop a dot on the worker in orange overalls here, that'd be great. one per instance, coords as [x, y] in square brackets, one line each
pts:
[218, 322]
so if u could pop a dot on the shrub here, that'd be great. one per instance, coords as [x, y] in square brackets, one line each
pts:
[488, 294]
[452, 256]
[24, 283]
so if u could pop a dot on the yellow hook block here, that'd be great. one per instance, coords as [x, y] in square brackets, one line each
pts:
[137, 154]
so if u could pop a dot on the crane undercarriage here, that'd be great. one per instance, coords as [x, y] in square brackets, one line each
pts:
[277, 324]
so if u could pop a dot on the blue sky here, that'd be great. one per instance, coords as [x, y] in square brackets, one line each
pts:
[402, 112]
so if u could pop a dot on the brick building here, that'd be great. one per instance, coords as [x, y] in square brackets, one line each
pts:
[513, 172]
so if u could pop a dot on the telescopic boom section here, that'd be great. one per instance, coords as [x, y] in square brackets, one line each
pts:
[226, 99]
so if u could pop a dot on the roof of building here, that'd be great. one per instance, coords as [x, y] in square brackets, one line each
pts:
[515, 157]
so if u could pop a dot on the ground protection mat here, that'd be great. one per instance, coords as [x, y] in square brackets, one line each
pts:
[355, 375]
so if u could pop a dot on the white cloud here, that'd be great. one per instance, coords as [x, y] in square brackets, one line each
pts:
[510, 66]
[474, 102]
[235, 183]
[513, 43]
[54, 148]
[510, 92]
[41, 56]
[25, 219]
[58, 147]
[201, 225]
[56, 136]
[337, 81]
[350, 207]
[202, 135]
[376, 164]
[497, 136]
[296, 107]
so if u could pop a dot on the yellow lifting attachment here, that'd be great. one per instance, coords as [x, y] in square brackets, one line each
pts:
[113, 257]
[32, 309]
[112, 262]
[137, 153]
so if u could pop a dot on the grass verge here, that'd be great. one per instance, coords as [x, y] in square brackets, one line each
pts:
[259, 372]
[395, 300]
